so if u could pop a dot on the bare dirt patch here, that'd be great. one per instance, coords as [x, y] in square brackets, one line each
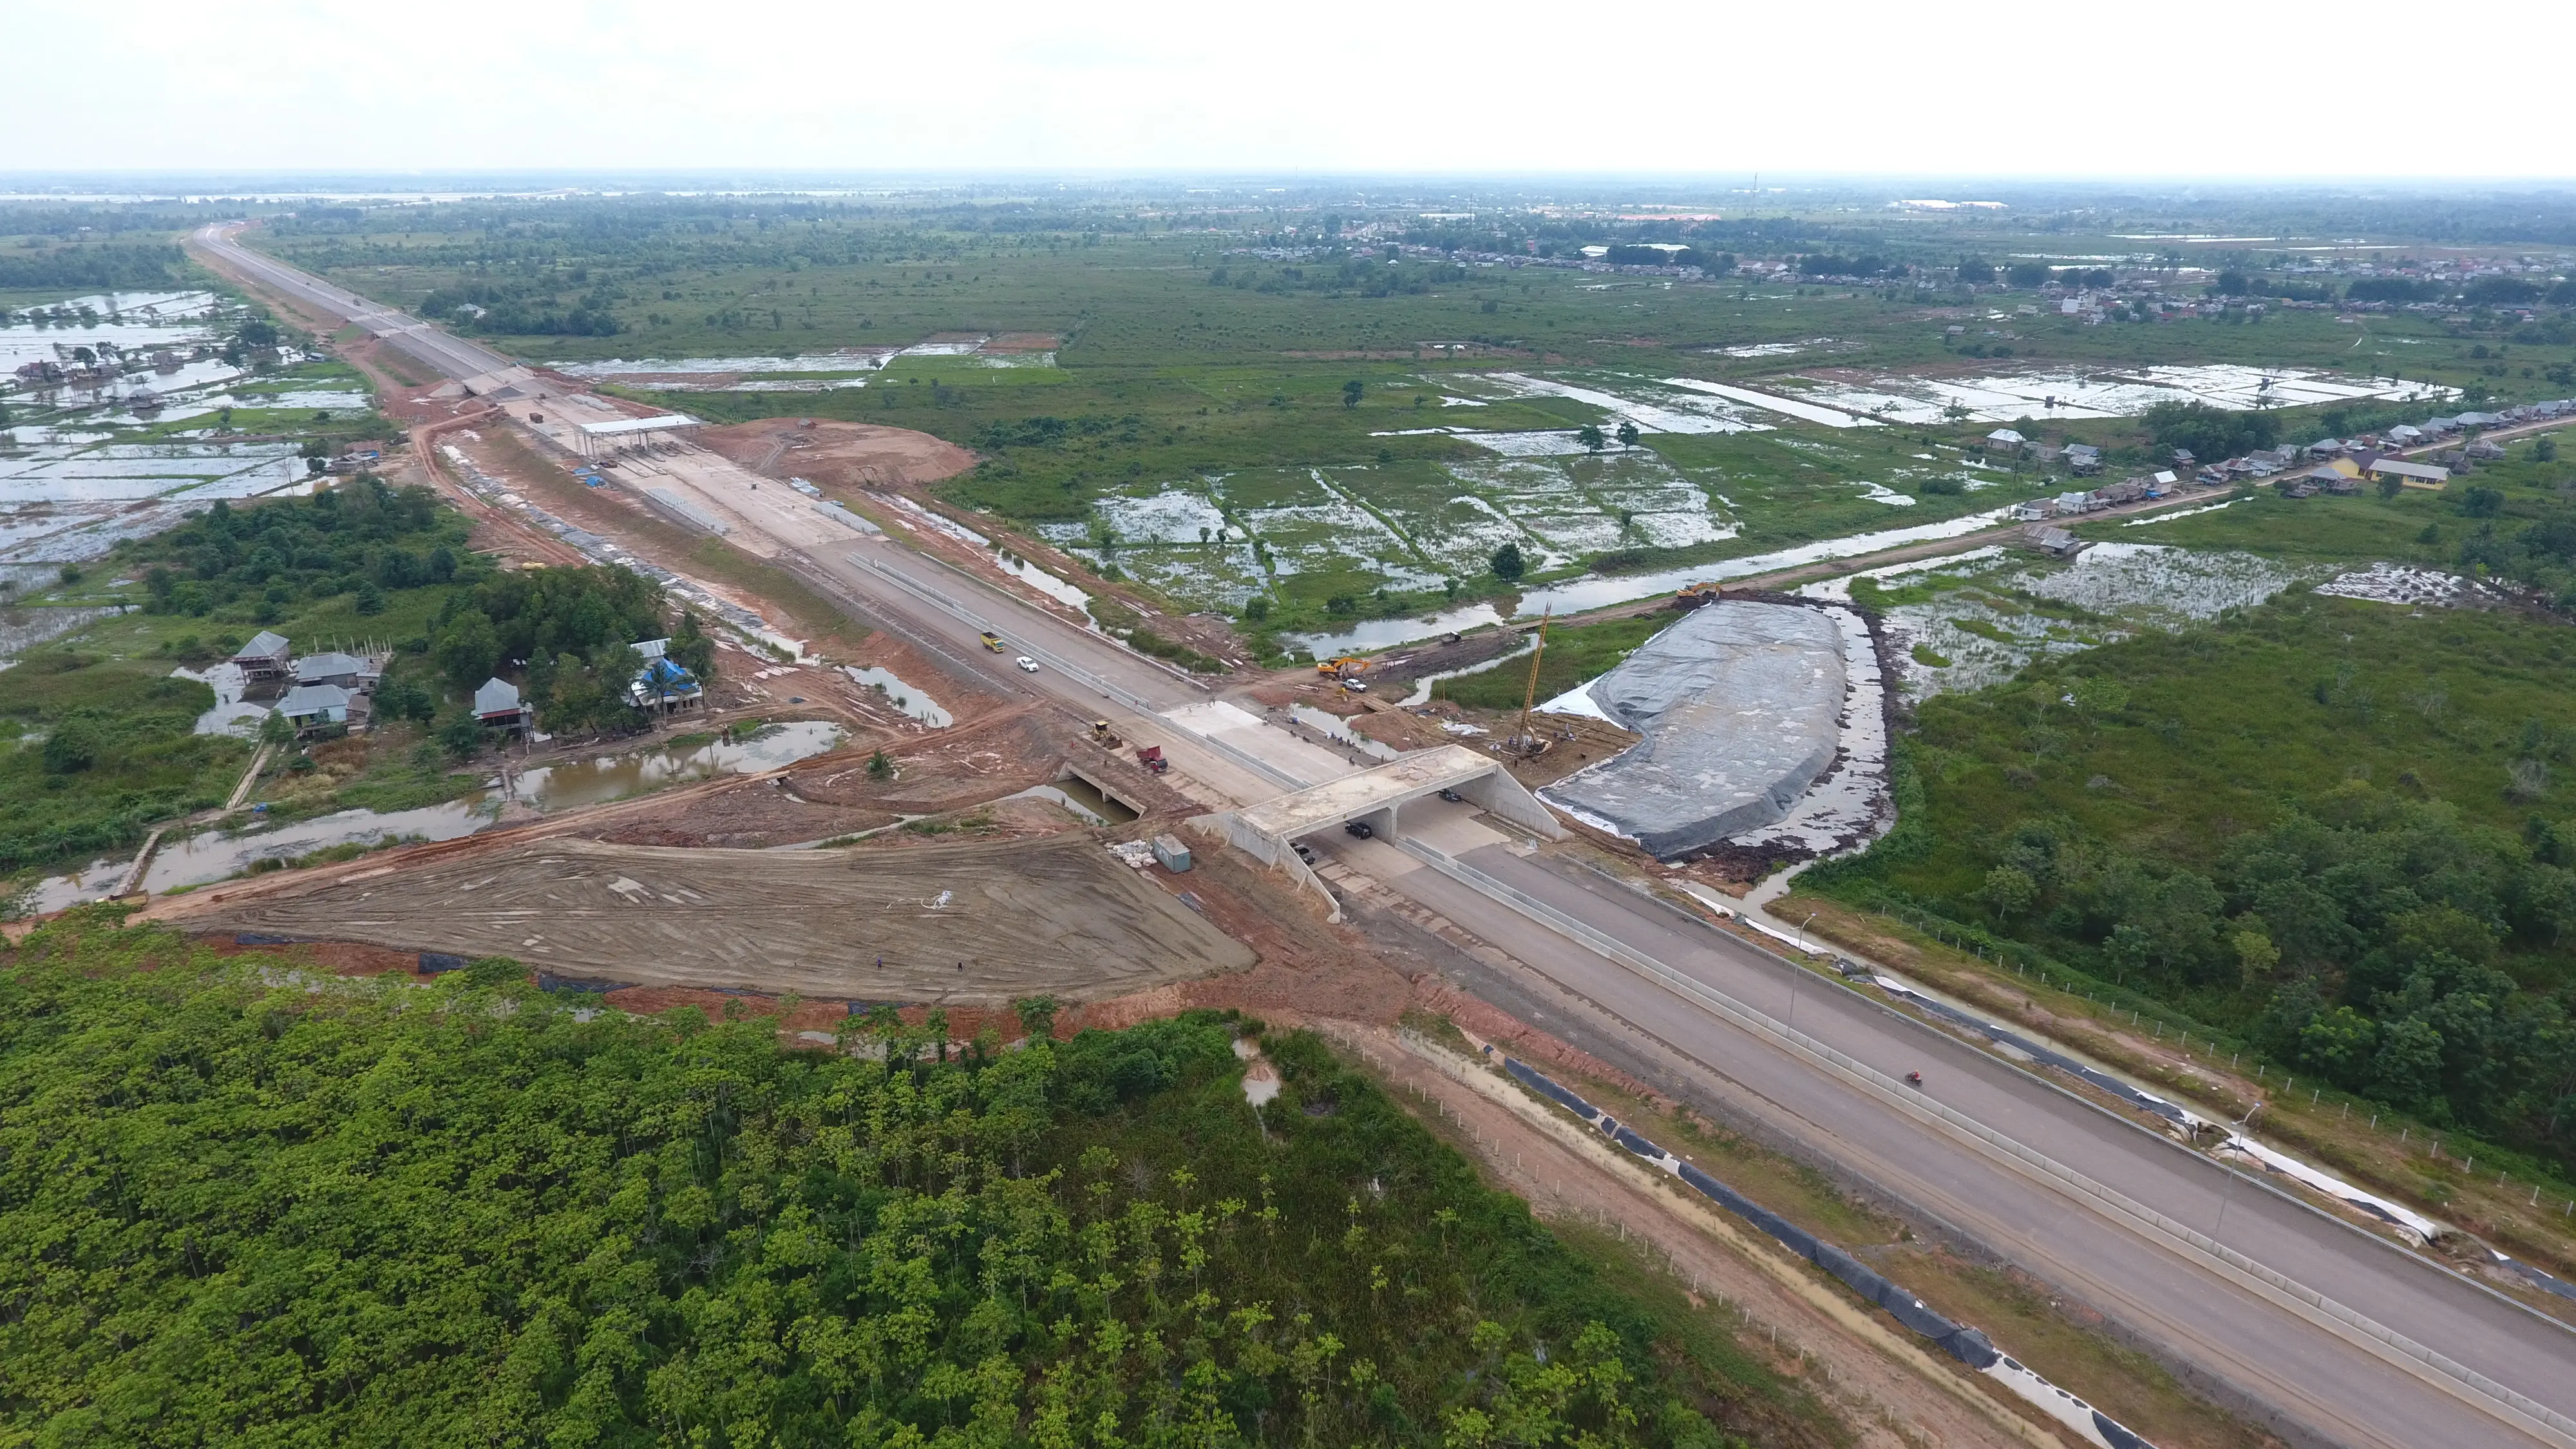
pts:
[968, 922]
[840, 458]
[340, 958]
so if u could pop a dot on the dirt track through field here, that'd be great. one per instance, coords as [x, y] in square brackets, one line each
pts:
[969, 923]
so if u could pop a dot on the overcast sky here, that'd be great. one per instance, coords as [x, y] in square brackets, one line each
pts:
[2183, 89]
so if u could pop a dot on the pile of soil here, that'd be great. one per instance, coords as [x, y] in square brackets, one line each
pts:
[840, 458]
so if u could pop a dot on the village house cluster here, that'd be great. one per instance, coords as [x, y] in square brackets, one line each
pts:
[333, 691]
[2336, 465]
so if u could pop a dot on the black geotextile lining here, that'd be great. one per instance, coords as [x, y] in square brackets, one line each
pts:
[1968, 1345]
[1958, 1340]
[2144, 1101]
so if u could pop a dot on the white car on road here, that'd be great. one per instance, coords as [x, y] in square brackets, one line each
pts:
[1027, 665]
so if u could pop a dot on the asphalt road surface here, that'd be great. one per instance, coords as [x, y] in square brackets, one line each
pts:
[2324, 1384]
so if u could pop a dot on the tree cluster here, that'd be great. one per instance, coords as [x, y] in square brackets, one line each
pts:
[380, 1213]
[105, 265]
[2373, 926]
[571, 632]
[361, 538]
[2209, 432]
[523, 309]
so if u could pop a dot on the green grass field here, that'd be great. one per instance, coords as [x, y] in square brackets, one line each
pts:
[2316, 805]
[1188, 365]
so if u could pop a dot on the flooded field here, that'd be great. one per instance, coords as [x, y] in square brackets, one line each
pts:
[2070, 393]
[214, 855]
[1217, 541]
[842, 367]
[123, 321]
[97, 459]
[902, 696]
[1978, 618]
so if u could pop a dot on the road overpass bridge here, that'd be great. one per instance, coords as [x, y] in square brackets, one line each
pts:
[1268, 830]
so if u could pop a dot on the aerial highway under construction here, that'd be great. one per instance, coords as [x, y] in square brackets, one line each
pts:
[2334, 1335]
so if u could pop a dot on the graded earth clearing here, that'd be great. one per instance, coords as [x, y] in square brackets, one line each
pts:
[839, 455]
[977, 923]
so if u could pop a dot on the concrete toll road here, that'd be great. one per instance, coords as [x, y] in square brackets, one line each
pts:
[1702, 1011]
[444, 351]
[2323, 1381]
[2327, 1383]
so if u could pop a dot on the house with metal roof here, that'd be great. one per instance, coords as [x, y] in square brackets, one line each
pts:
[264, 657]
[496, 704]
[664, 685]
[2410, 475]
[312, 708]
[334, 667]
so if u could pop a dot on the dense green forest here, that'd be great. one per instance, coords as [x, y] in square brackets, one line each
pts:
[2337, 831]
[242, 1202]
[361, 539]
[569, 632]
[104, 265]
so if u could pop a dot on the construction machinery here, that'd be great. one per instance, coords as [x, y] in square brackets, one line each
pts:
[1691, 596]
[1525, 742]
[1342, 668]
[991, 640]
[1103, 736]
[1151, 757]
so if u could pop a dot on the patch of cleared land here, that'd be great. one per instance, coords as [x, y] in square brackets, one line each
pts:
[1025, 917]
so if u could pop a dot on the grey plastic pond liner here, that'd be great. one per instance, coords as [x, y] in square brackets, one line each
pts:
[1740, 704]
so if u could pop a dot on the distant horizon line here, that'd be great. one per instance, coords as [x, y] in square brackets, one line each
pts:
[1731, 181]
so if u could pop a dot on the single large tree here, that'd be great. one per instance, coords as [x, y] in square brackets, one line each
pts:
[1351, 391]
[1508, 564]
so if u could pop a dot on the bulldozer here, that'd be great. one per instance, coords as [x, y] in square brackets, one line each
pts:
[1103, 736]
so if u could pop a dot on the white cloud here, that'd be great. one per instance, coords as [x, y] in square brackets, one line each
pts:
[2197, 89]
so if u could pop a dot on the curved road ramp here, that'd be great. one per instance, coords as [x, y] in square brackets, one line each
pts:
[928, 923]
[1740, 704]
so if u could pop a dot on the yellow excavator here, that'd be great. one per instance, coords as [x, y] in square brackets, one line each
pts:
[1691, 596]
[1342, 668]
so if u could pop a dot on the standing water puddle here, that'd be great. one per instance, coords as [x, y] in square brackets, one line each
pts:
[901, 695]
[212, 855]
[593, 782]
[1078, 797]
